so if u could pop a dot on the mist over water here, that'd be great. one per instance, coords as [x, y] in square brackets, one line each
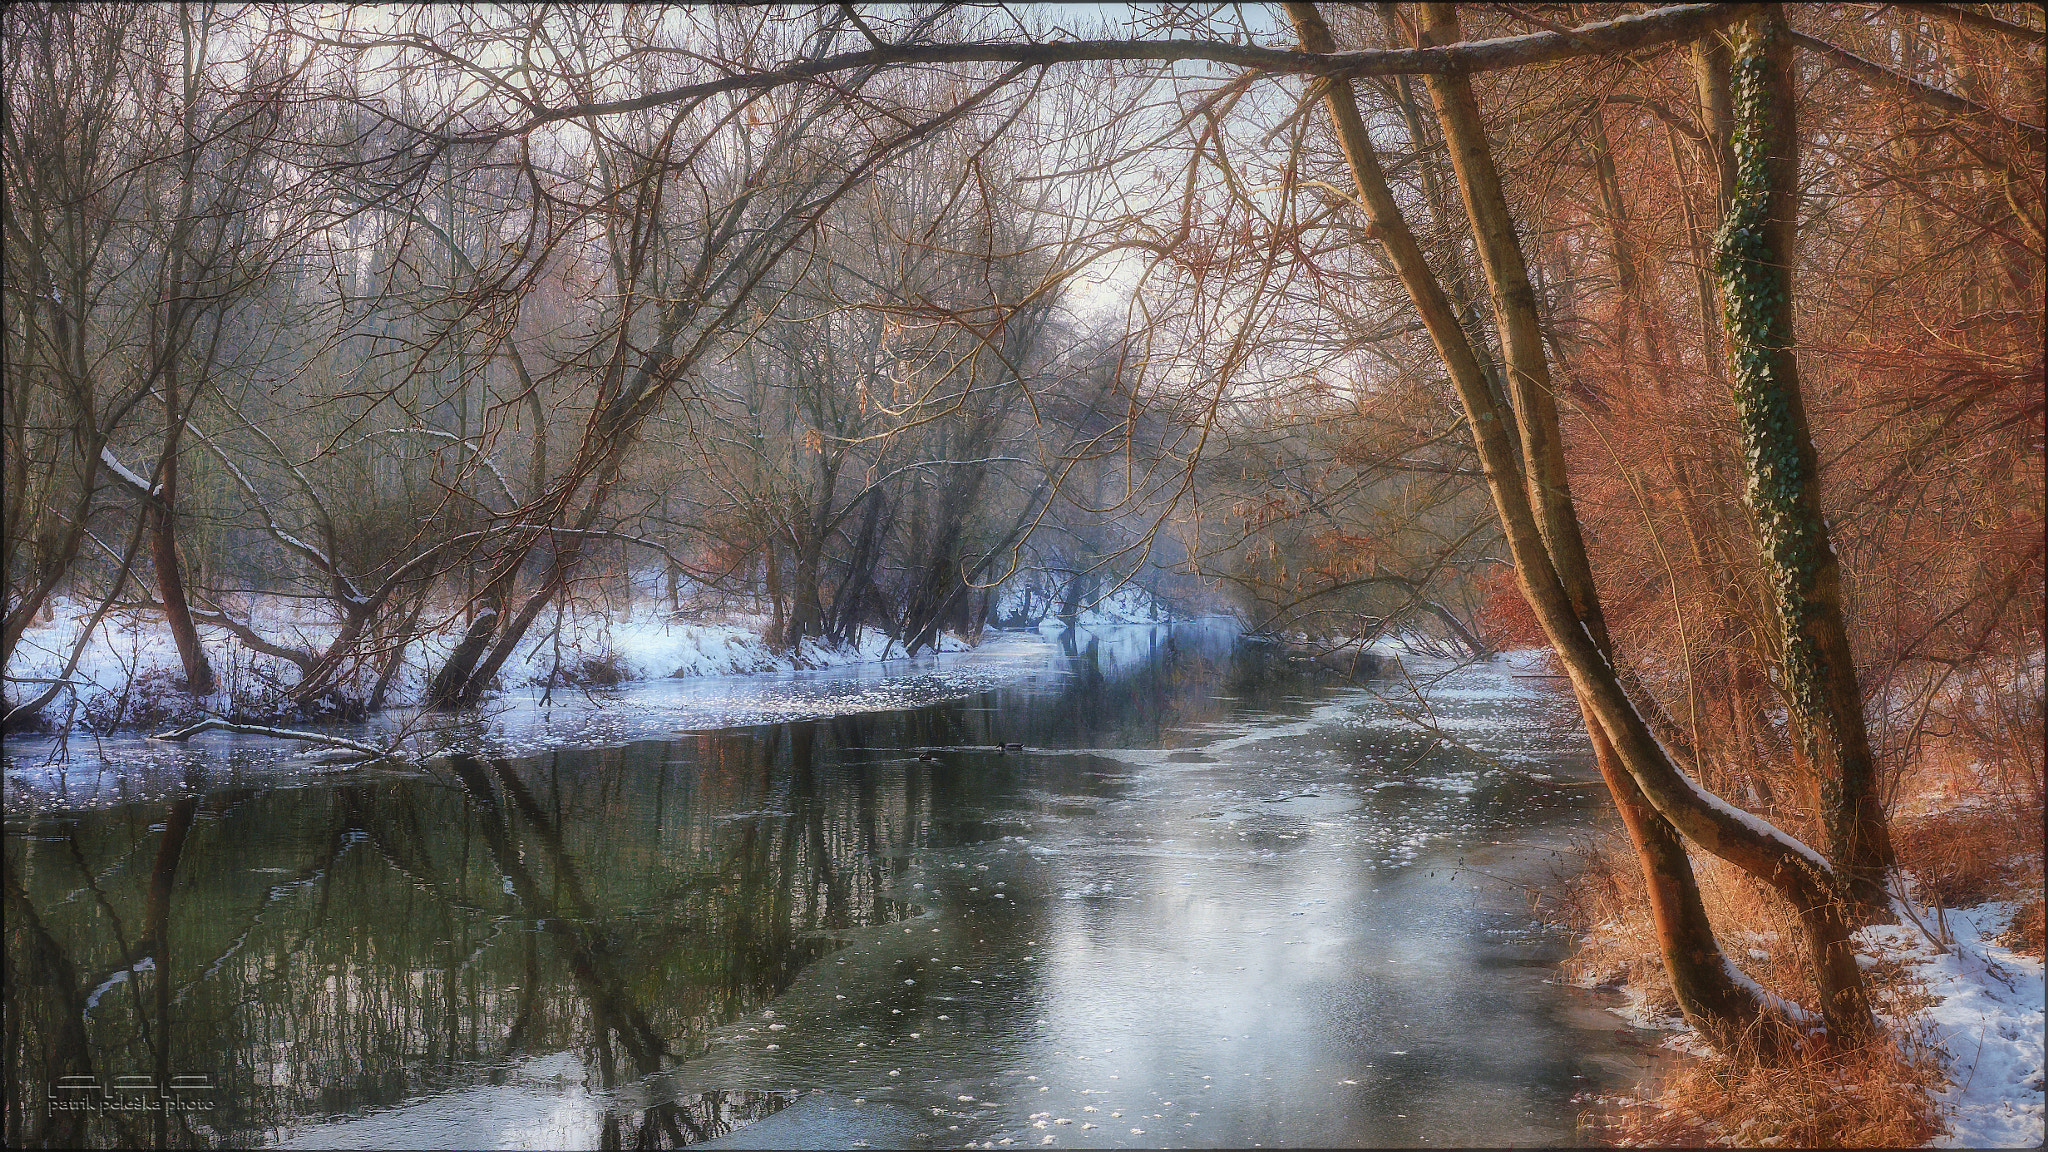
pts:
[1216, 899]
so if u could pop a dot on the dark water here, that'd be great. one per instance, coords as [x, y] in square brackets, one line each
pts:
[1216, 900]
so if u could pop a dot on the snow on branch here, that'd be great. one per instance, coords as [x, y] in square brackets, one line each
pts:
[320, 559]
[1771, 1001]
[475, 449]
[250, 638]
[127, 475]
[216, 724]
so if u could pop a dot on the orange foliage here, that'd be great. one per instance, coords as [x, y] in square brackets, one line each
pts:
[1505, 614]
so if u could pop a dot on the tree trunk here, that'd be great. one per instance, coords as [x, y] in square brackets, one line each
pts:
[772, 579]
[170, 584]
[163, 547]
[1754, 254]
[1802, 876]
[1708, 996]
[1080, 585]
[177, 327]
[849, 604]
[394, 659]
[806, 605]
[449, 686]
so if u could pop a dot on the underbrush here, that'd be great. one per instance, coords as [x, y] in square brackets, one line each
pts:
[154, 700]
[2024, 934]
[1874, 1096]
[601, 670]
[1967, 829]
[1964, 858]
[1982, 839]
[253, 691]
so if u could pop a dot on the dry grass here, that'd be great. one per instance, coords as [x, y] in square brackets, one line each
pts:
[1876, 1096]
[1964, 858]
[1969, 829]
[1961, 857]
[2024, 936]
[1606, 902]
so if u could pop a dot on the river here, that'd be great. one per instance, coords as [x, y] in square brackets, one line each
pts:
[1215, 897]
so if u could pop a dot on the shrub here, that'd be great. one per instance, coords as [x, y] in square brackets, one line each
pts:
[603, 670]
[1878, 1096]
[155, 699]
[2024, 936]
[1965, 858]
[1811, 1097]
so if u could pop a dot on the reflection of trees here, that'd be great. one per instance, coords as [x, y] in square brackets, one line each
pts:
[44, 976]
[323, 949]
[43, 999]
[690, 1120]
[354, 945]
[569, 919]
[1127, 686]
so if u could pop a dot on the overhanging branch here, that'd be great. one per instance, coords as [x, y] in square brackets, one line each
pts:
[1680, 22]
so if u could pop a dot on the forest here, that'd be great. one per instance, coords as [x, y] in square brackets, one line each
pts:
[371, 360]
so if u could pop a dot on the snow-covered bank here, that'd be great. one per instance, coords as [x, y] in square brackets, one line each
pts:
[1975, 1007]
[1967, 1012]
[55, 772]
[1030, 600]
[125, 675]
[578, 647]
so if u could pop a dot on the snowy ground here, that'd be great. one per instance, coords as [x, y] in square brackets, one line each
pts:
[644, 643]
[1987, 1021]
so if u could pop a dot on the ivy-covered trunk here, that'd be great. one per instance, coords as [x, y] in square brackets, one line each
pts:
[1753, 262]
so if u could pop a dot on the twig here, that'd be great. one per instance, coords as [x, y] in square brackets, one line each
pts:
[1906, 906]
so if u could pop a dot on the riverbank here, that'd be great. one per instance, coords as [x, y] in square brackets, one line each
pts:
[128, 675]
[1958, 982]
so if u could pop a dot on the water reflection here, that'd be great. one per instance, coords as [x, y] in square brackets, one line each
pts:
[350, 944]
[660, 943]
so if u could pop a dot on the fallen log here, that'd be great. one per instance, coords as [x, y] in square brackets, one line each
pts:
[216, 724]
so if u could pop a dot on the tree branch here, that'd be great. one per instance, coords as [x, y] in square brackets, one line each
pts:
[1939, 98]
[1680, 22]
[1957, 14]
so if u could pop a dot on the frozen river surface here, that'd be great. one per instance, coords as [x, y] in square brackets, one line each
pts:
[1215, 899]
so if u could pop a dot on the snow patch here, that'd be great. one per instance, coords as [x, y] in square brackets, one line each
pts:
[1987, 1023]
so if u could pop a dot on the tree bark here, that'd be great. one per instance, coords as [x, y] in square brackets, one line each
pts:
[1708, 996]
[177, 320]
[1754, 254]
[1573, 622]
[448, 689]
[163, 550]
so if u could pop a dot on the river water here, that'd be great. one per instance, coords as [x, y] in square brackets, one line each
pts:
[1217, 898]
